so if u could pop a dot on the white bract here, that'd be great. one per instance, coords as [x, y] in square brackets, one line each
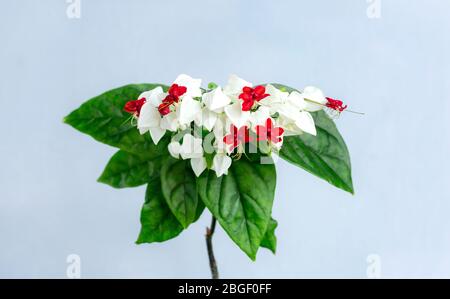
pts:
[216, 100]
[150, 119]
[294, 117]
[238, 117]
[188, 110]
[275, 99]
[314, 99]
[218, 112]
[235, 85]
[221, 164]
[193, 85]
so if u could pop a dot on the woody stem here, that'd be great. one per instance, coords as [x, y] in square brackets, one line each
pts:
[212, 260]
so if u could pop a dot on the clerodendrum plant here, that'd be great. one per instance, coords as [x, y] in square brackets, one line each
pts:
[214, 148]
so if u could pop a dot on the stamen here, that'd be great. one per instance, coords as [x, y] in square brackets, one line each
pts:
[324, 105]
[355, 112]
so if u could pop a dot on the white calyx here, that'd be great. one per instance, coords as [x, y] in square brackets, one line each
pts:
[150, 119]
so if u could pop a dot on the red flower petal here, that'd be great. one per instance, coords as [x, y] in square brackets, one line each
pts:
[134, 106]
[259, 90]
[177, 91]
[259, 98]
[247, 89]
[246, 97]
[164, 108]
[337, 105]
[247, 105]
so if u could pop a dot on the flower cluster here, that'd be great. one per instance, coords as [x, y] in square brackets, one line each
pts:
[220, 122]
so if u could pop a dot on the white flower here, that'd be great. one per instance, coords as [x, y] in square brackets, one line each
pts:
[216, 100]
[241, 118]
[301, 122]
[170, 122]
[220, 130]
[221, 164]
[238, 117]
[276, 97]
[188, 110]
[206, 118]
[192, 147]
[293, 117]
[198, 165]
[292, 105]
[192, 85]
[305, 122]
[174, 149]
[235, 85]
[313, 94]
[260, 116]
[150, 119]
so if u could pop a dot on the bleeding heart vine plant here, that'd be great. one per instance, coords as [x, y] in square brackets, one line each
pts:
[214, 148]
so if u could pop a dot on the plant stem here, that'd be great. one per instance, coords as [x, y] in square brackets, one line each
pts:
[209, 246]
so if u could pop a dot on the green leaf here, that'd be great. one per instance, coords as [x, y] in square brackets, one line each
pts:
[324, 155]
[270, 240]
[241, 201]
[180, 190]
[129, 170]
[103, 119]
[158, 222]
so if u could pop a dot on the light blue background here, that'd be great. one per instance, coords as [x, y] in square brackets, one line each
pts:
[396, 69]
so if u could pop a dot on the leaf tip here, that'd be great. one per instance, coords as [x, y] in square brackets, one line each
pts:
[68, 119]
[103, 179]
[100, 180]
[65, 119]
[350, 189]
[184, 224]
[141, 238]
[252, 254]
